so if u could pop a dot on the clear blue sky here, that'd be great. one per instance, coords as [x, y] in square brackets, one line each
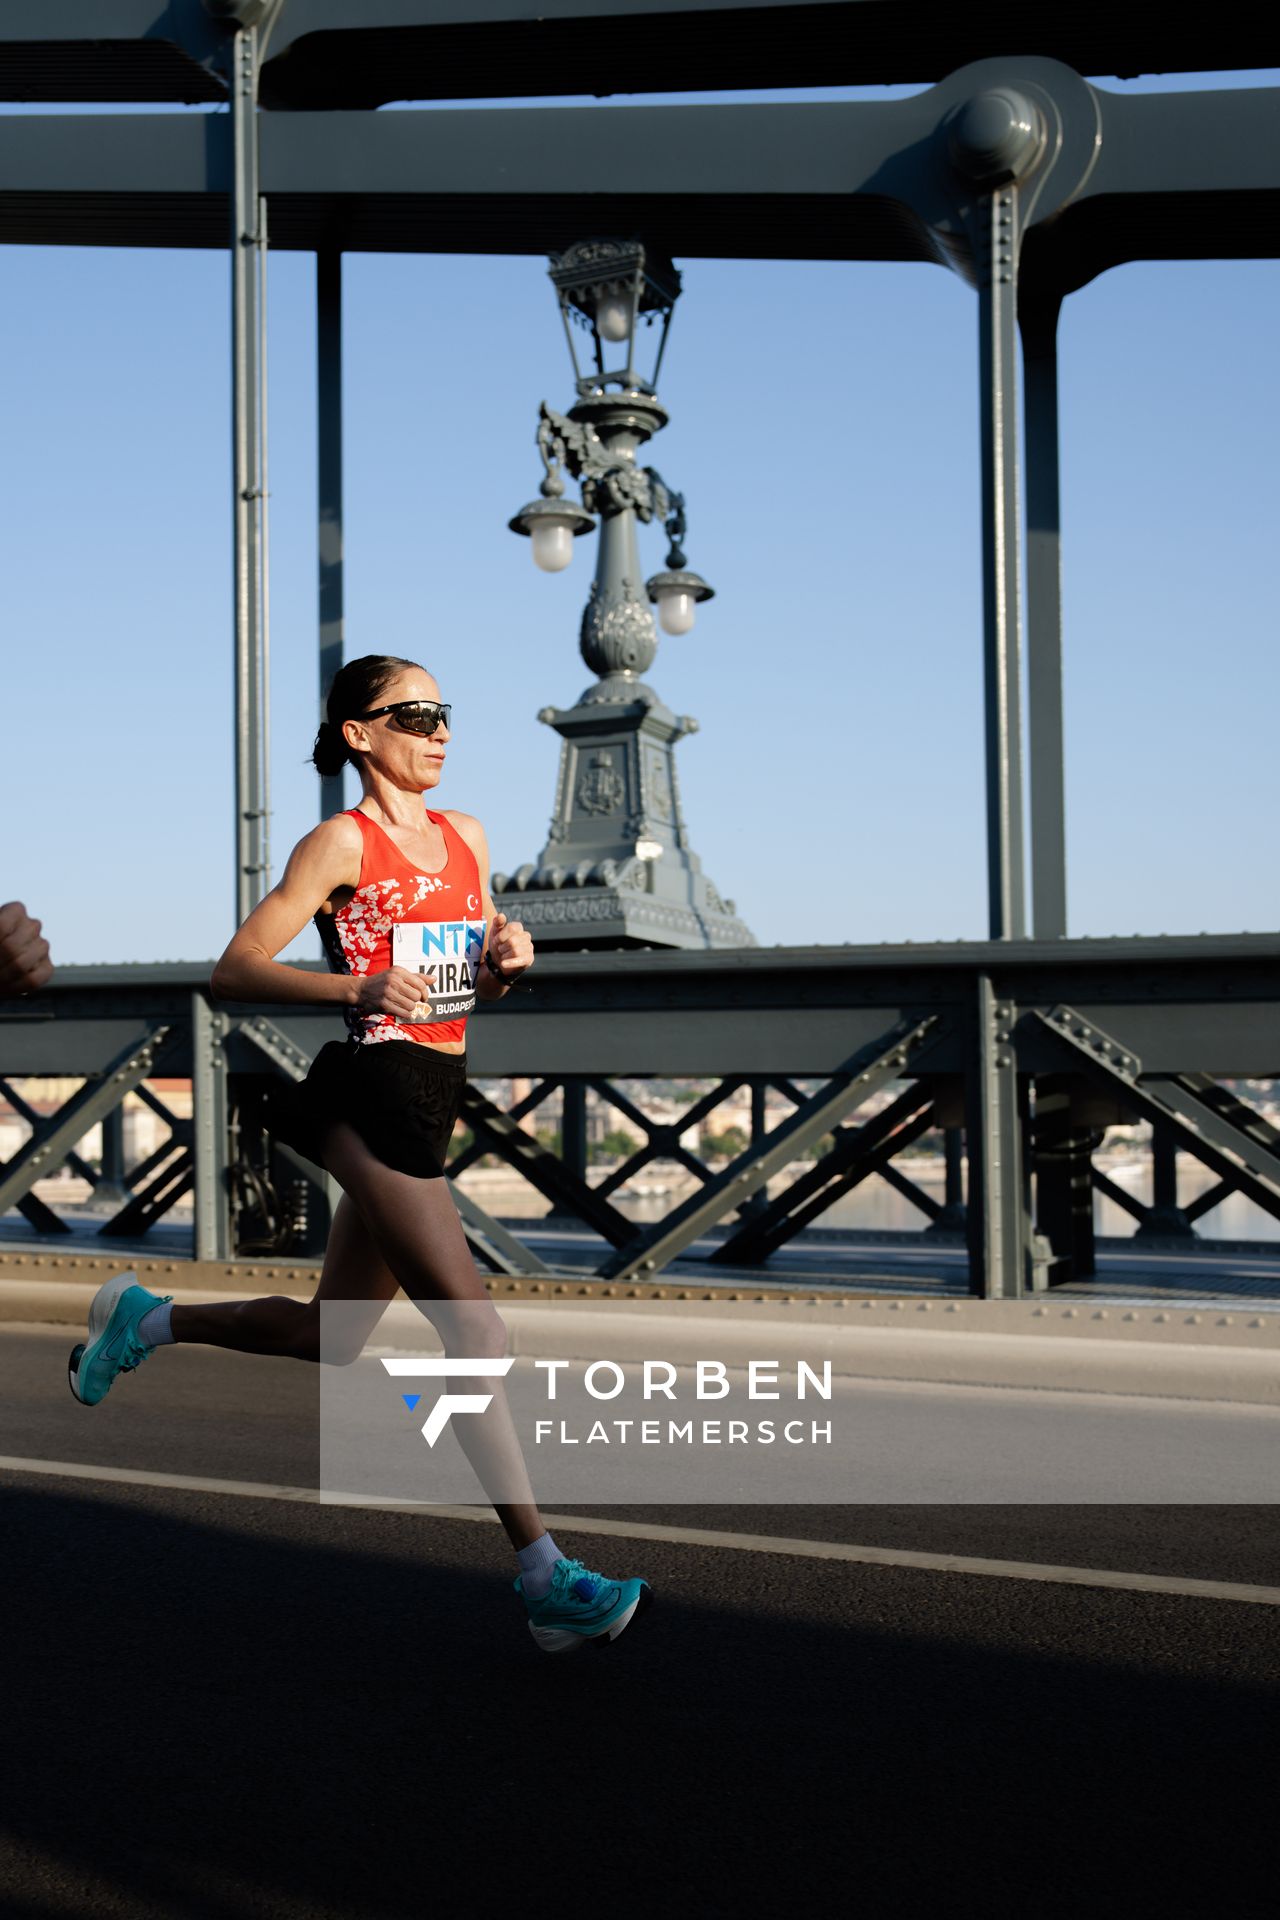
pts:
[824, 428]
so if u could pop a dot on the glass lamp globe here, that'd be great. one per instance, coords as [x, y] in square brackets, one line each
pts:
[613, 316]
[676, 612]
[552, 543]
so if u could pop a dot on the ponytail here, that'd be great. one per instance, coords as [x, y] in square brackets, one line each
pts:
[354, 691]
[329, 755]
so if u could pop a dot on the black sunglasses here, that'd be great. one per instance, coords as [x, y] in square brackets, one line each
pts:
[414, 716]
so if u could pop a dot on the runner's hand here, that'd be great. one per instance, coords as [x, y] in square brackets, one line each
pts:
[24, 956]
[510, 945]
[396, 992]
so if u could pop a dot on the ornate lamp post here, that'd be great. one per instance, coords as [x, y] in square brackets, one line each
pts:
[617, 869]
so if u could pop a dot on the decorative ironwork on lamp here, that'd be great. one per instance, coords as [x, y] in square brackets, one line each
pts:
[618, 867]
[609, 288]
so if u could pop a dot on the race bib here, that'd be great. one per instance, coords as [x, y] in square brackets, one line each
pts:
[446, 953]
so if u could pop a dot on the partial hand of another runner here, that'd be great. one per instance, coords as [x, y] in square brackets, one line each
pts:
[396, 991]
[24, 956]
[510, 946]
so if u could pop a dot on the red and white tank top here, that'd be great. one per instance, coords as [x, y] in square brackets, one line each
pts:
[430, 923]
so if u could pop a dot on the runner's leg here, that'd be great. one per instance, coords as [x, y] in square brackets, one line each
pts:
[353, 1270]
[419, 1236]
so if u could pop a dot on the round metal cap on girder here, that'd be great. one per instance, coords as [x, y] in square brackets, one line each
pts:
[998, 135]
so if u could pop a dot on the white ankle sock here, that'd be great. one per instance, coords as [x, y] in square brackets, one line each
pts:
[536, 1562]
[153, 1328]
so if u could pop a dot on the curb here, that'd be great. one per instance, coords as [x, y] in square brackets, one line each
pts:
[977, 1358]
[1189, 1357]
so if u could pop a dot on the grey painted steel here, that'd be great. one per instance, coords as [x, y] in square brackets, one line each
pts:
[329, 487]
[47, 1149]
[1164, 1218]
[292, 1060]
[617, 790]
[857, 1153]
[77, 1165]
[1000, 1235]
[1062, 1145]
[1209, 1006]
[573, 1129]
[1182, 176]
[322, 1182]
[1187, 1108]
[496, 1245]
[558, 1182]
[1001, 561]
[210, 1116]
[1039, 327]
[661, 1138]
[855, 1081]
[169, 1184]
[368, 52]
[248, 254]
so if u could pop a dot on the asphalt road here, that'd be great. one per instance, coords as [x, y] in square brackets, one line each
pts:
[219, 1706]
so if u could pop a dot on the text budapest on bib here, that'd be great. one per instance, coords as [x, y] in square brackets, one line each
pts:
[446, 953]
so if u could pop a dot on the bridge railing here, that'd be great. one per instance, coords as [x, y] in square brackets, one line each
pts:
[1023, 1052]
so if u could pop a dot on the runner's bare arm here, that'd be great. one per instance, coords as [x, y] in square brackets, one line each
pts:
[507, 940]
[326, 860]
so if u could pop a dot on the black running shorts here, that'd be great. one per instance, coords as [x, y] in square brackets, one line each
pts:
[402, 1098]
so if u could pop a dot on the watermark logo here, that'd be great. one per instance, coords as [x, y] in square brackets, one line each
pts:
[420, 1368]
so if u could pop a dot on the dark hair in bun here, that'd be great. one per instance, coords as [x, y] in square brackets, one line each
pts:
[355, 689]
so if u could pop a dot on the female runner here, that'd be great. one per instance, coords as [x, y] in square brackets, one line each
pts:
[378, 1111]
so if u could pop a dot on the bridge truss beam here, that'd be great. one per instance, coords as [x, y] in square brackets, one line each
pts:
[1033, 1047]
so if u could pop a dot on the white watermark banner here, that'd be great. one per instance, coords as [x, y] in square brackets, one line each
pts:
[432, 1405]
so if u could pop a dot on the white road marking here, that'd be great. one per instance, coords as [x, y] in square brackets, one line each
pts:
[673, 1536]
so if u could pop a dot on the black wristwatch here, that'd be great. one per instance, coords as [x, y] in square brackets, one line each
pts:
[506, 980]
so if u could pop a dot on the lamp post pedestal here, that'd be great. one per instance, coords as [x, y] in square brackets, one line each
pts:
[617, 869]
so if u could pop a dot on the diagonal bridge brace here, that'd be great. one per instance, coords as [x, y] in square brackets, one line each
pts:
[873, 1067]
[1239, 1145]
[152, 1201]
[858, 1152]
[493, 1243]
[556, 1182]
[95, 1100]
[662, 1138]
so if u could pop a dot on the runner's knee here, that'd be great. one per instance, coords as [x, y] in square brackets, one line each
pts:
[476, 1332]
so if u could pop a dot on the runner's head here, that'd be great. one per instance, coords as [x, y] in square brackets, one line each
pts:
[381, 714]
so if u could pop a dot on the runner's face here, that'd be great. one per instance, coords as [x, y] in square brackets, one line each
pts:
[408, 758]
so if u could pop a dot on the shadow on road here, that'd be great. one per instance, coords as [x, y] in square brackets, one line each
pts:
[224, 1708]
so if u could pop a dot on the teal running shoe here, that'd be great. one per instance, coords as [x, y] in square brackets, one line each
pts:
[581, 1608]
[113, 1346]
